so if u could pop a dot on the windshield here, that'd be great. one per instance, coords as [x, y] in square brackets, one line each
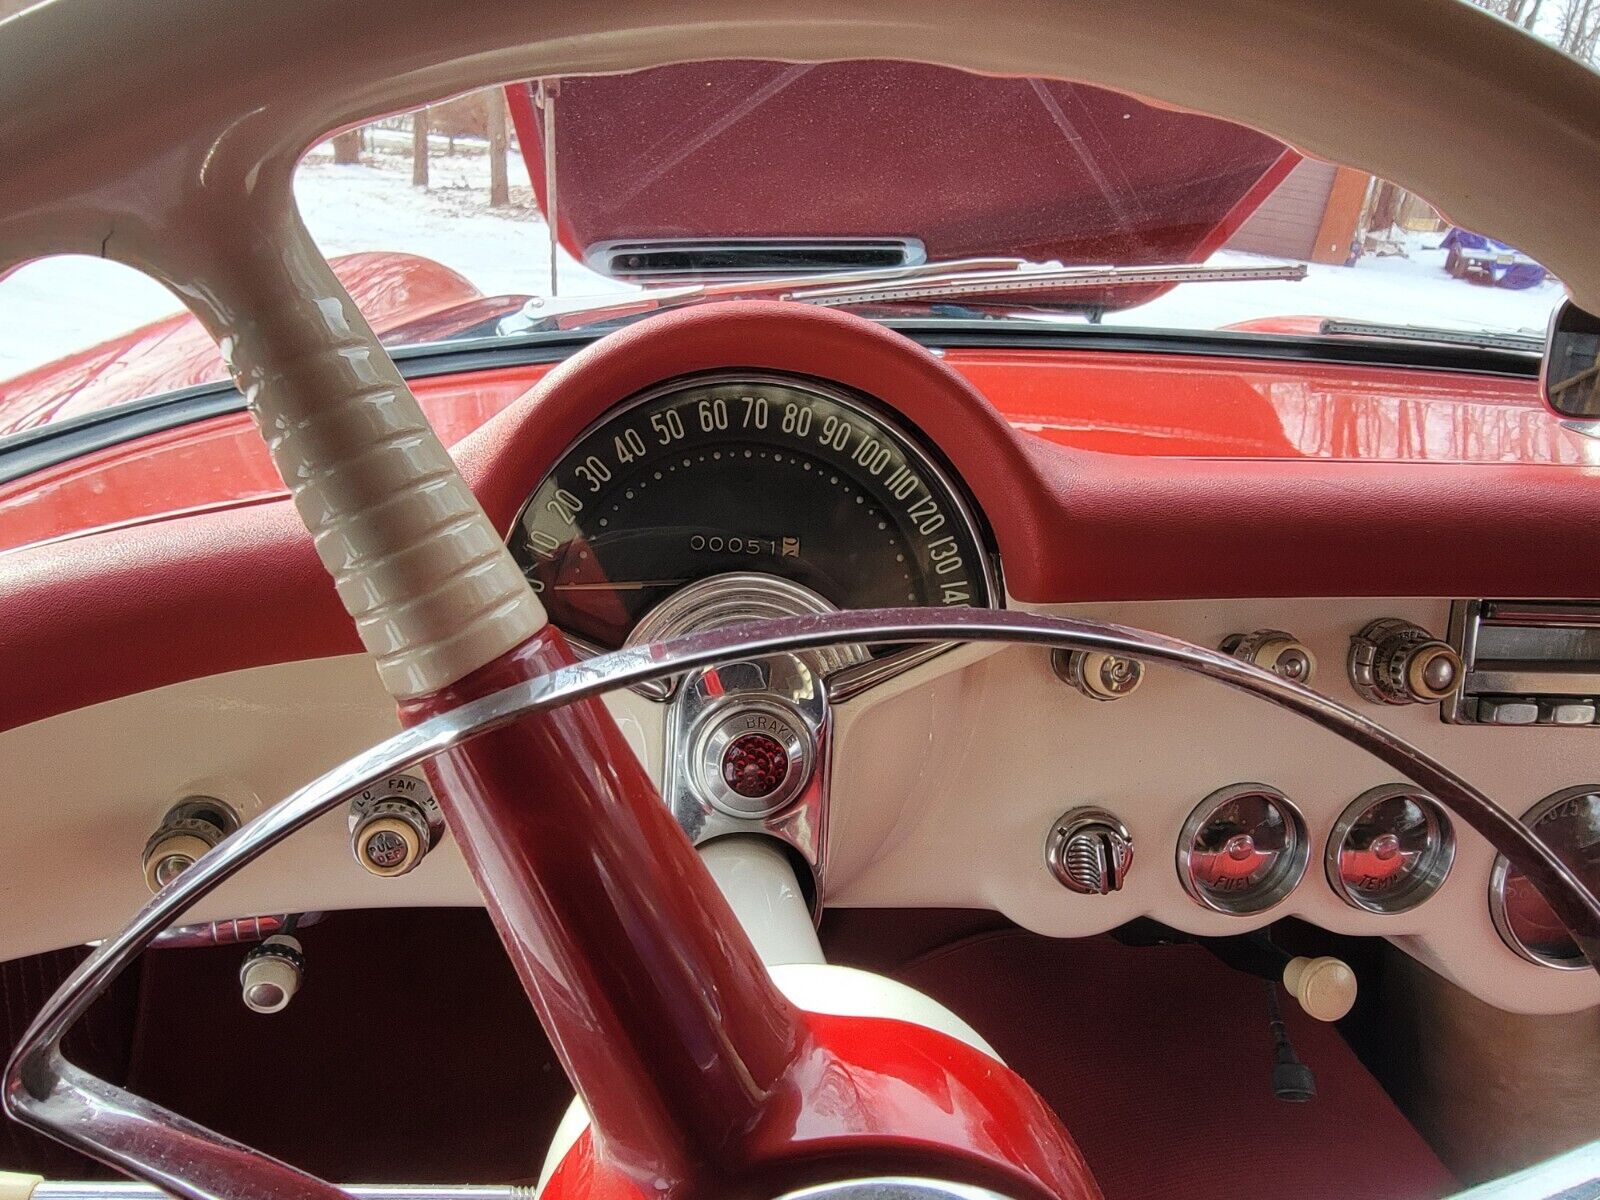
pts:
[713, 180]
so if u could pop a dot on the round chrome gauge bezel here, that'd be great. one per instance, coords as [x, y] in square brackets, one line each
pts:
[1497, 885]
[1425, 880]
[1286, 873]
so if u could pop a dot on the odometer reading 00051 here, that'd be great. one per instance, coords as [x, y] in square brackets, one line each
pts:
[714, 475]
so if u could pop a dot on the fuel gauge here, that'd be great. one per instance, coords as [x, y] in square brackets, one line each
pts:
[1390, 849]
[1243, 850]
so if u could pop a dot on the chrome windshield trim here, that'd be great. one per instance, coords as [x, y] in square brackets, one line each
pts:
[46, 1092]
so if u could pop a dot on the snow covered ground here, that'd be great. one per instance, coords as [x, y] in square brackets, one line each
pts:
[1413, 290]
[58, 305]
[54, 307]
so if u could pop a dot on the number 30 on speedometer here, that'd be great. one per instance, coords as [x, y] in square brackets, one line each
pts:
[723, 474]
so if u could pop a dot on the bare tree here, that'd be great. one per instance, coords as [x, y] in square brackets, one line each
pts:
[347, 147]
[1573, 25]
[494, 101]
[1578, 29]
[1519, 12]
[419, 148]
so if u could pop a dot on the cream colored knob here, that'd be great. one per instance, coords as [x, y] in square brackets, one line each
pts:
[187, 831]
[270, 975]
[1325, 987]
[1275, 651]
[391, 839]
[16, 1186]
[1098, 675]
[171, 856]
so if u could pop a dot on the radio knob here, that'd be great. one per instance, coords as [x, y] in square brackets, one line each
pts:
[1393, 661]
[1273, 650]
[1089, 852]
[1098, 675]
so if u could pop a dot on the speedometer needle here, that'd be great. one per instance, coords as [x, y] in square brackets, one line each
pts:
[619, 585]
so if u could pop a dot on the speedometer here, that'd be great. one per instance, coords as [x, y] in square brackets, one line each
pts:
[721, 474]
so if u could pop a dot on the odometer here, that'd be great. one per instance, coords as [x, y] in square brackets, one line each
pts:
[736, 474]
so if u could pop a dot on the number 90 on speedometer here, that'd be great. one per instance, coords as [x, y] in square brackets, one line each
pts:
[715, 475]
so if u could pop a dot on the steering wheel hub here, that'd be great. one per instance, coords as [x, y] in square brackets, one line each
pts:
[752, 756]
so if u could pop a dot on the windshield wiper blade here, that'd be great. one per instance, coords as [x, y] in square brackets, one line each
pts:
[542, 312]
[1531, 343]
[961, 278]
[1031, 277]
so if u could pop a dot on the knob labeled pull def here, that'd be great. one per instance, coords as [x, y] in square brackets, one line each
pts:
[1393, 661]
[394, 825]
[1089, 851]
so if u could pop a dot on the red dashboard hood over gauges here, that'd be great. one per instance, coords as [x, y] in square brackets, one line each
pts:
[770, 151]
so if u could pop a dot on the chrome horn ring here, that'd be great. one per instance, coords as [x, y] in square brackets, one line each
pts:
[46, 1092]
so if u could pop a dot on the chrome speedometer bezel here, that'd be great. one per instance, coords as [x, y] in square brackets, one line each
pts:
[1502, 867]
[918, 454]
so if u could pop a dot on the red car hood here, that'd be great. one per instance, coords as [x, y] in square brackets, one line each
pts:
[395, 292]
[969, 165]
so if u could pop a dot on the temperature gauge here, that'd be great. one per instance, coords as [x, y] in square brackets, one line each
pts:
[1390, 850]
[1569, 823]
[1243, 850]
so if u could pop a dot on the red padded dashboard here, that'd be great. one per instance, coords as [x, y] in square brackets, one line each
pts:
[105, 615]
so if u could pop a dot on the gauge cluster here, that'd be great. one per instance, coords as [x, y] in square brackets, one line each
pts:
[1075, 807]
[685, 505]
[723, 474]
[1245, 848]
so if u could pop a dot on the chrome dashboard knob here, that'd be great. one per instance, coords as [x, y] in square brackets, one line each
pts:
[1089, 851]
[1393, 661]
[1273, 650]
[394, 825]
[187, 831]
[1098, 675]
[270, 974]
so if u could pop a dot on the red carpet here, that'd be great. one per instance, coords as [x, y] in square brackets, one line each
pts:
[1158, 1060]
[411, 1054]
